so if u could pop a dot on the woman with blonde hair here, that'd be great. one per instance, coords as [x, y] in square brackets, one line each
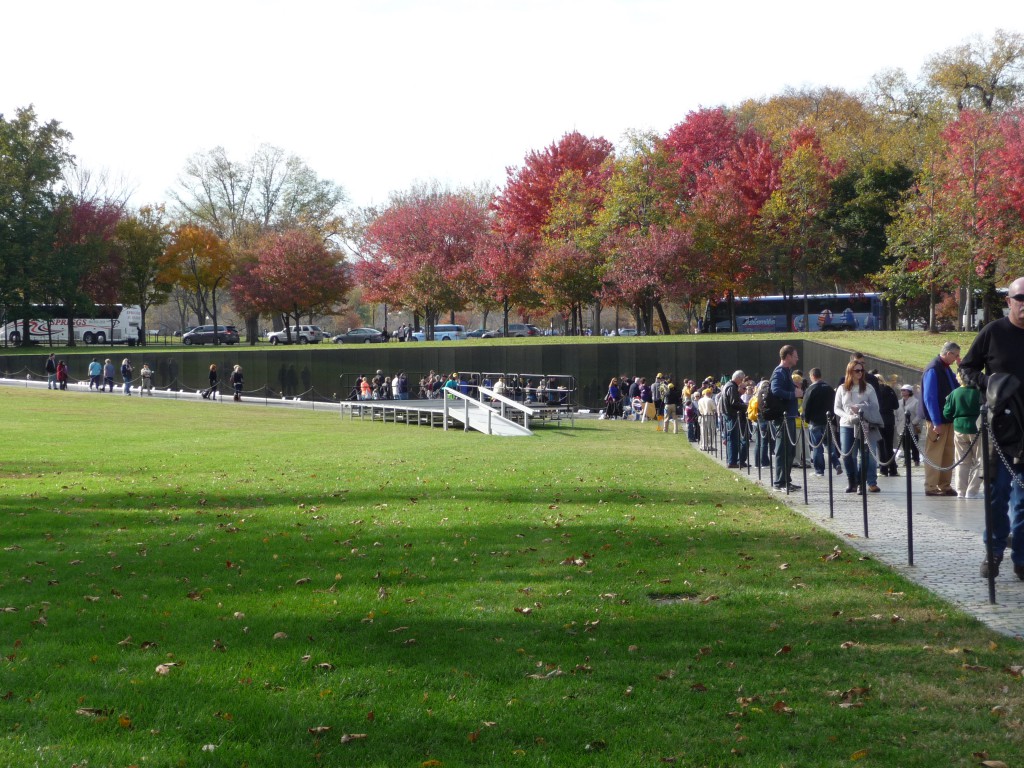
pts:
[236, 382]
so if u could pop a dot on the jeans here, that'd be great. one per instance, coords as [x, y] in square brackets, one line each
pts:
[1007, 500]
[764, 444]
[732, 440]
[785, 451]
[851, 457]
[818, 439]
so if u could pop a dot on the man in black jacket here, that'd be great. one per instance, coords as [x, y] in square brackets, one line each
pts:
[733, 408]
[997, 349]
[819, 413]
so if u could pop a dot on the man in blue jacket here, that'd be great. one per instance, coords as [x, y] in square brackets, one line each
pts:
[936, 384]
[783, 387]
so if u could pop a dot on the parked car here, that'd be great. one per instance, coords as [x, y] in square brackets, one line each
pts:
[361, 336]
[443, 332]
[483, 333]
[523, 329]
[203, 334]
[627, 332]
[300, 334]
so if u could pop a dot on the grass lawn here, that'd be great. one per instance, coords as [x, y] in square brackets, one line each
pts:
[191, 584]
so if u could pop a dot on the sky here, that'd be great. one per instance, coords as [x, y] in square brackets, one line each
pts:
[380, 95]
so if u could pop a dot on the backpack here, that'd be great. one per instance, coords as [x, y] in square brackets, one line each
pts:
[770, 406]
[1006, 404]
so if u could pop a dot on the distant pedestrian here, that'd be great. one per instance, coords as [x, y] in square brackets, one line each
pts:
[147, 379]
[62, 375]
[95, 375]
[51, 372]
[108, 374]
[237, 380]
[126, 376]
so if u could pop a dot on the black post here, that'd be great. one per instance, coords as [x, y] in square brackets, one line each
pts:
[987, 484]
[783, 435]
[864, 475]
[828, 464]
[803, 450]
[910, 494]
[757, 426]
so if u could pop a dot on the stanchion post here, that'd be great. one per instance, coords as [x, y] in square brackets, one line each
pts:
[757, 448]
[989, 524]
[784, 436]
[803, 450]
[910, 493]
[864, 475]
[828, 464]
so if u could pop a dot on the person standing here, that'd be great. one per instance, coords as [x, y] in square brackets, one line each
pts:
[819, 413]
[706, 412]
[855, 403]
[62, 375]
[51, 372]
[126, 376]
[147, 379]
[962, 408]
[784, 388]
[237, 380]
[936, 384]
[997, 349]
[888, 404]
[908, 413]
[734, 412]
[673, 402]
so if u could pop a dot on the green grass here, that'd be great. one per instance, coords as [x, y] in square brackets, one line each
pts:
[479, 601]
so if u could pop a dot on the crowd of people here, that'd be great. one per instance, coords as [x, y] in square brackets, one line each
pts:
[102, 375]
[433, 385]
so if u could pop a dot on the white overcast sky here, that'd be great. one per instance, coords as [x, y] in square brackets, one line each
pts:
[380, 94]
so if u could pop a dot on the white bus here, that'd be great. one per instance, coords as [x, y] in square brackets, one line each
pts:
[106, 324]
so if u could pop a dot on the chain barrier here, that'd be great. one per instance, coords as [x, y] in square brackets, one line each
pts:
[933, 465]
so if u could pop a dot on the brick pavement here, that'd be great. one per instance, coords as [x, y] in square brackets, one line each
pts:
[947, 538]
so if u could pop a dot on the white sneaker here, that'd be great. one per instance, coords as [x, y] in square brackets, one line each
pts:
[975, 496]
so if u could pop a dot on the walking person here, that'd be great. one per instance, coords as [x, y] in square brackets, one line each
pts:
[237, 380]
[936, 384]
[997, 350]
[855, 404]
[706, 411]
[51, 372]
[888, 404]
[126, 376]
[211, 393]
[673, 402]
[784, 388]
[95, 375]
[108, 374]
[962, 408]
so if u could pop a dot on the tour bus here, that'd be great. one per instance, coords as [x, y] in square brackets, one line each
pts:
[105, 324]
[767, 314]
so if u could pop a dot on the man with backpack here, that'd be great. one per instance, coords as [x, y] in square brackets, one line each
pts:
[783, 388]
[997, 350]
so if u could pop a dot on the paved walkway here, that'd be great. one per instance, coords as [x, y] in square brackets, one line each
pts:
[947, 537]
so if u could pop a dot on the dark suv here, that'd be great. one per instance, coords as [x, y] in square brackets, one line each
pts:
[227, 334]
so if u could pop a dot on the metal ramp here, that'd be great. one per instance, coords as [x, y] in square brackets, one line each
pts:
[453, 409]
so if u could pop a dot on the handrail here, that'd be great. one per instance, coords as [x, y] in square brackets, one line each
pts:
[468, 400]
[507, 401]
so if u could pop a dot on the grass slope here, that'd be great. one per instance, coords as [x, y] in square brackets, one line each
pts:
[440, 598]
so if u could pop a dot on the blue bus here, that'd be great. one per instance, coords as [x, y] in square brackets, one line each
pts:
[767, 314]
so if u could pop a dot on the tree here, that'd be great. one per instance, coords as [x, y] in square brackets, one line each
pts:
[83, 262]
[568, 278]
[794, 222]
[699, 145]
[141, 240]
[293, 274]
[504, 263]
[32, 159]
[420, 251]
[524, 205]
[981, 74]
[200, 261]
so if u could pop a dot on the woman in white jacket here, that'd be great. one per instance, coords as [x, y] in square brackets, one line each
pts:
[908, 410]
[856, 407]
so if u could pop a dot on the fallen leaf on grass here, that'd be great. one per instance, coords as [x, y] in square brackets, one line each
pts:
[302, 581]
[994, 764]
[280, 635]
[553, 673]
[92, 712]
[780, 707]
[431, 764]
[318, 730]
[783, 650]
[165, 669]
[860, 754]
